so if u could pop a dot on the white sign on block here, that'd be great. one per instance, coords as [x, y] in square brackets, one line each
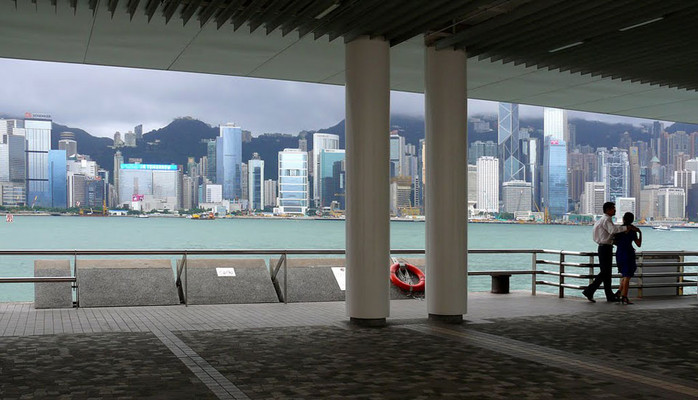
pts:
[225, 271]
[340, 274]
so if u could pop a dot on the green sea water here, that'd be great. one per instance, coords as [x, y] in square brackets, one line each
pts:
[43, 232]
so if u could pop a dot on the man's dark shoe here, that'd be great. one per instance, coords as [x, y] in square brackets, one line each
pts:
[613, 300]
[588, 296]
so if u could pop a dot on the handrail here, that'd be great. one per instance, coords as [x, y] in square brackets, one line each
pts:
[559, 259]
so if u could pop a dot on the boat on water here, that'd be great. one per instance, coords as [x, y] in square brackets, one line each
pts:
[661, 228]
[209, 216]
[143, 216]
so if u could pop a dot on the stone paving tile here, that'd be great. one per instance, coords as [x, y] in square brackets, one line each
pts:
[98, 365]
[390, 363]
[658, 341]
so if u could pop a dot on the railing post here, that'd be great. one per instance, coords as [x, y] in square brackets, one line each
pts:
[75, 273]
[679, 288]
[285, 278]
[534, 265]
[591, 270]
[562, 277]
[186, 280]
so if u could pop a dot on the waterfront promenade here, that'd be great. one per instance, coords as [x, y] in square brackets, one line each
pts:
[511, 346]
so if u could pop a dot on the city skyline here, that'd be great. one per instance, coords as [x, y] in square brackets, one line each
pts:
[103, 100]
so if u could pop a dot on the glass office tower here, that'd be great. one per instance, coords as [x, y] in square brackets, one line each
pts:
[329, 183]
[255, 183]
[38, 136]
[554, 189]
[511, 167]
[293, 181]
[58, 180]
[229, 161]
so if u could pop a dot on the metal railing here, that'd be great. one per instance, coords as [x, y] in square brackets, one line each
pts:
[561, 261]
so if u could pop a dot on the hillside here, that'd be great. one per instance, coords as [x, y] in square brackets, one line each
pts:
[186, 137]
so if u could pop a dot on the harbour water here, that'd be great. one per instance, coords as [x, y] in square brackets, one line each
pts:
[64, 232]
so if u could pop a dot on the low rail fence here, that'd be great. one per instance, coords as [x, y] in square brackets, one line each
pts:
[571, 270]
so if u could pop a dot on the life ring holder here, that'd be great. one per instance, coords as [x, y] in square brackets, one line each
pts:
[418, 287]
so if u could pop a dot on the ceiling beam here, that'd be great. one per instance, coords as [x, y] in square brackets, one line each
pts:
[131, 7]
[227, 12]
[207, 12]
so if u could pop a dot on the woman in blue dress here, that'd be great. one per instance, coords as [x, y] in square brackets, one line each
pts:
[625, 256]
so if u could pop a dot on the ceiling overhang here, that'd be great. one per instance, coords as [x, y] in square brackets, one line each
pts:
[607, 56]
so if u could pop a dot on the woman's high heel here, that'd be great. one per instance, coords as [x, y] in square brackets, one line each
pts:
[625, 300]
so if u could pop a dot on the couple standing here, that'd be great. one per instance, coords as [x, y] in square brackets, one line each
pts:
[605, 233]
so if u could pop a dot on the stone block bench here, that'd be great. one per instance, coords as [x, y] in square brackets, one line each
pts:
[228, 281]
[107, 283]
[52, 294]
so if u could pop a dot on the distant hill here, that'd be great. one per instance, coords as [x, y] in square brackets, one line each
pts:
[186, 137]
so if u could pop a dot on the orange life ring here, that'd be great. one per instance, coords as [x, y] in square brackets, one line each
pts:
[419, 287]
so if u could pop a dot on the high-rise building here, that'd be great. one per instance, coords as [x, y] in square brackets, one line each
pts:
[138, 130]
[678, 142]
[211, 159]
[623, 205]
[488, 184]
[684, 179]
[531, 152]
[58, 178]
[593, 197]
[117, 140]
[212, 193]
[397, 154]
[293, 182]
[162, 182]
[472, 186]
[511, 167]
[13, 170]
[554, 188]
[270, 187]
[671, 203]
[38, 134]
[479, 149]
[244, 187]
[516, 196]
[400, 199]
[321, 141]
[75, 190]
[118, 160]
[255, 183]
[555, 123]
[68, 143]
[130, 139]
[188, 192]
[330, 184]
[614, 166]
[229, 160]
[634, 172]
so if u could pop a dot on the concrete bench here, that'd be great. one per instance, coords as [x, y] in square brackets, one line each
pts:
[106, 283]
[53, 294]
[228, 281]
[311, 279]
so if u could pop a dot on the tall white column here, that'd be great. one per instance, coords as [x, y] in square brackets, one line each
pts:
[368, 175]
[446, 184]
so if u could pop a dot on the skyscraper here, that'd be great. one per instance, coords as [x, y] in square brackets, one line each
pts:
[397, 154]
[57, 178]
[614, 167]
[516, 196]
[554, 188]
[329, 182]
[555, 123]
[211, 159]
[508, 140]
[634, 172]
[321, 141]
[293, 181]
[68, 143]
[255, 183]
[118, 160]
[138, 130]
[229, 160]
[488, 184]
[38, 134]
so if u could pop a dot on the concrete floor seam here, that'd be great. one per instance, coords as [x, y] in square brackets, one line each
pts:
[555, 358]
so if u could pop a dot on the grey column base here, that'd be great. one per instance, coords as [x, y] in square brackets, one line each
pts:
[448, 319]
[368, 322]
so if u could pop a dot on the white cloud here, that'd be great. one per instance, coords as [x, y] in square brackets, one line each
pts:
[103, 100]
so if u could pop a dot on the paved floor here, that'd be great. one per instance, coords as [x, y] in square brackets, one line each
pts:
[511, 346]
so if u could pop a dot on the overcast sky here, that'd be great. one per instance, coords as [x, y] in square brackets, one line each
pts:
[103, 100]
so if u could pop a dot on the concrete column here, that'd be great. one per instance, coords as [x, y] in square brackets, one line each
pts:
[368, 175]
[446, 184]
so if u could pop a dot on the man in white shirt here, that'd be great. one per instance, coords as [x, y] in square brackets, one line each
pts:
[603, 232]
